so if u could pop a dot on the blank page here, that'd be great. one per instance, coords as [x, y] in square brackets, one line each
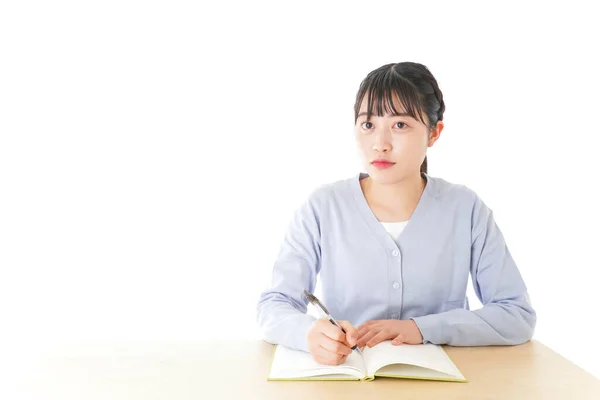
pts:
[288, 363]
[429, 356]
[411, 371]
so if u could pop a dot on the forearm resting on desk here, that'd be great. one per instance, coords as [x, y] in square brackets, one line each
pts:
[507, 323]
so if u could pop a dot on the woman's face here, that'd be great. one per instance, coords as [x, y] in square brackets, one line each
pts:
[399, 141]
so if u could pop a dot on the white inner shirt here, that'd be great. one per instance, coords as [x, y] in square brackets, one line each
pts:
[394, 228]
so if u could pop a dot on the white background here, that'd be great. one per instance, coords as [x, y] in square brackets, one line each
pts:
[152, 153]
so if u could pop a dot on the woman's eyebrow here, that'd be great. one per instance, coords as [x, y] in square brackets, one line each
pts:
[391, 115]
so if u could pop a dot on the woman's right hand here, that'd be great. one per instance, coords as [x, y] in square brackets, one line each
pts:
[328, 344]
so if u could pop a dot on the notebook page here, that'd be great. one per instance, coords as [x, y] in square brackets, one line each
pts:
[423, 355]
[288, 363]
[411, 371]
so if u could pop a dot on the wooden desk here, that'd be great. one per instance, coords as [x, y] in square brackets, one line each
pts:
[238, 370]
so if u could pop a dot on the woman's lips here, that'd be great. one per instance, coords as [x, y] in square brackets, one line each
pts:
[381, 164]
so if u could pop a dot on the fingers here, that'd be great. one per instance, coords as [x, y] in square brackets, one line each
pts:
[366, 337]
[378, 338]
[324, 356]
[366, 325]
[334, 346]
[351, 332]
[401, 338]
[362, 330]
[332, 331]
[324, 348]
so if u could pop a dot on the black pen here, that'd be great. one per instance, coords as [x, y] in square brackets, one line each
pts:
[315, 302]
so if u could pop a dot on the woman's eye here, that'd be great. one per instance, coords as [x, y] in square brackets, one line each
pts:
[400, 123]
[367, 125]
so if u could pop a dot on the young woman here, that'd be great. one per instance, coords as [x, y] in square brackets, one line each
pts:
[394, 246]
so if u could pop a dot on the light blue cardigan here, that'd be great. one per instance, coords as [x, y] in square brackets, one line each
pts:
[423, 275]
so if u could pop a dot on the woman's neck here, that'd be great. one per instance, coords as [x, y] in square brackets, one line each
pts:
[393, 202]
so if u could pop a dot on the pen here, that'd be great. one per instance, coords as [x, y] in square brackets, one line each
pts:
[315, 302]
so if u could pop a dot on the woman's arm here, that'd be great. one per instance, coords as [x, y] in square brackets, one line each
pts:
[507, 317]
[281, 310]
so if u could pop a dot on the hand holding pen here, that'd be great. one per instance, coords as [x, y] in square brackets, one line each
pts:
[330, 341]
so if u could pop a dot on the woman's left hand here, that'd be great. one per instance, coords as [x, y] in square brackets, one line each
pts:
[399, 331]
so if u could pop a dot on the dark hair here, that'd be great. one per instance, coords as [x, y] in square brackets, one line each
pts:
[414, 85]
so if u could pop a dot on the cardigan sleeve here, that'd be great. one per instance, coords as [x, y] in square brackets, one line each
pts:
[281, 309]
[507, 316]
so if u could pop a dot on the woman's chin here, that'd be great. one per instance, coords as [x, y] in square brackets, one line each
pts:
[384, 176]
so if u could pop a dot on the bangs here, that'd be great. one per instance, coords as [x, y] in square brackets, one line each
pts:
[385, 90]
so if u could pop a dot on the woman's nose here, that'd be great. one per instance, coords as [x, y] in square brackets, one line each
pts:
[381, 141]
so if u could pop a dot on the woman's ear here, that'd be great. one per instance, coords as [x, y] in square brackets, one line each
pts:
[435, 133]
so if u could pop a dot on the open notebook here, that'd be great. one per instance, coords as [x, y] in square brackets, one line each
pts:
[422, 361]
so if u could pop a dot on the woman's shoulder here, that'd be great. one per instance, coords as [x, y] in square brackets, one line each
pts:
[325, 200]
[331, 192]
[451, 192]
